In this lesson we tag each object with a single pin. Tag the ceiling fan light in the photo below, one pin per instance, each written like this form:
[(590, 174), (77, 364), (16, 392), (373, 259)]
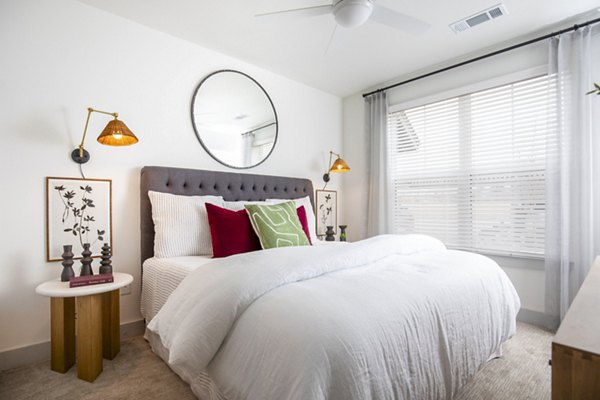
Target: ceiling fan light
[(352, 13)]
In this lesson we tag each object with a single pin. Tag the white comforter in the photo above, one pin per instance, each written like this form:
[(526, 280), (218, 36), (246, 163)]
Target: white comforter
[(391, 317)]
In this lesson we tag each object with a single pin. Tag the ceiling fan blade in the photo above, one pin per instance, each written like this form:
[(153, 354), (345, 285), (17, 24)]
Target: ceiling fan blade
[(299, 12), (396, 20)]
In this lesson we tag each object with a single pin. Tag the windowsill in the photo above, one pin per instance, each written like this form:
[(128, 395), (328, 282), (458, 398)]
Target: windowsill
[(512, 260), (501, 254), (519, 262)]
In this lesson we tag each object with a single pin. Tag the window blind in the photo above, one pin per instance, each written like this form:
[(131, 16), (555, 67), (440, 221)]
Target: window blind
[(470, 170)]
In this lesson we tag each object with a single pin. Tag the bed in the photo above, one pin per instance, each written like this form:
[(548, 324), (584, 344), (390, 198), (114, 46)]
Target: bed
[(162, 276), (390, 317)]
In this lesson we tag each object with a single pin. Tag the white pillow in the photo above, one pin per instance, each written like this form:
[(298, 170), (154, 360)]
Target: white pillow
[(181, 224), (239, 205), (310, 214)]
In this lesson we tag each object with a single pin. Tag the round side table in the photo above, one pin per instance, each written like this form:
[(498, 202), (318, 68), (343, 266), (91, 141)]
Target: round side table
[(95, 311)]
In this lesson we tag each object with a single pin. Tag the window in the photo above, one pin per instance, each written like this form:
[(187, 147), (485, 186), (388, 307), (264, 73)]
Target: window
[(470, 170)]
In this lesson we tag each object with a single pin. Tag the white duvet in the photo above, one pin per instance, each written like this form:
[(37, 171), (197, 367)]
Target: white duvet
[(391, 317)]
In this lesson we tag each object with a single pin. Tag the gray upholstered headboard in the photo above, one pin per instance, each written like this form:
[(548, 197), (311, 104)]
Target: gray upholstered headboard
[(193, 182)]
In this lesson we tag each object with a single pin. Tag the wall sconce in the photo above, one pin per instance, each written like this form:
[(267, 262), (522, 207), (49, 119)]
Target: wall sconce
[(116, 133), (338, 165)]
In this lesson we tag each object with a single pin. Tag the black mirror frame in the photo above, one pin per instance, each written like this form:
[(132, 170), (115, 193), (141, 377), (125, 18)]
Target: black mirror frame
[(196, 128)]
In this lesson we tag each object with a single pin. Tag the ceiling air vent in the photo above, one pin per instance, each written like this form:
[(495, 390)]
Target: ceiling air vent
[(483, 16)]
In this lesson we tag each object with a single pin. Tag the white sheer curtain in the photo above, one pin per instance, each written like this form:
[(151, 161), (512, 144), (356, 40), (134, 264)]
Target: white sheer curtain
[(247, 146), (379, 213), (572, 170)]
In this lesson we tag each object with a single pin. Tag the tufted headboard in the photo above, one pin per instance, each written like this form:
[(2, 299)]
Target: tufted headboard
[(194, 182)]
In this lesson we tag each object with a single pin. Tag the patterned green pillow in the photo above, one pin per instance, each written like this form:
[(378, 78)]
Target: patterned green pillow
[(277, 225)]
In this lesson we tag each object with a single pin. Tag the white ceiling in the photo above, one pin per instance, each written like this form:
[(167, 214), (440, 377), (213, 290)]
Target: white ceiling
[(358, 58)]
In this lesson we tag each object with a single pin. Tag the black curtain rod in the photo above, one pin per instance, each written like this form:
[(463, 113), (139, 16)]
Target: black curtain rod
[(494, 53)]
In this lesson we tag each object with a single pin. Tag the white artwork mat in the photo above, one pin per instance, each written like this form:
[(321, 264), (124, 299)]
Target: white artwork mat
[(78, 211), (326, 210)]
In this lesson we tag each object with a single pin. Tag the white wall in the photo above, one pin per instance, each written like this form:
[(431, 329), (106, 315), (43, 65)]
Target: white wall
[(62, 56), (526, 275)]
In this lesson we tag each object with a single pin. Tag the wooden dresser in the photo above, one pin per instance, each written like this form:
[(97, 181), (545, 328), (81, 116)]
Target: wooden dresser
[(576, 346)]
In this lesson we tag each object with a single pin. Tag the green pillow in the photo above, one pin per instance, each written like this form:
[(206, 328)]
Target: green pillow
[(277, 225)]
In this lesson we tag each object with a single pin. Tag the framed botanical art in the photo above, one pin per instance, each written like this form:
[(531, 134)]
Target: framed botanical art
[(326, 210), (78, 211)]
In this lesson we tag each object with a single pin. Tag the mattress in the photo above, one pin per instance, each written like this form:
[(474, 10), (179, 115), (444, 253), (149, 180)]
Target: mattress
[(161, 276)]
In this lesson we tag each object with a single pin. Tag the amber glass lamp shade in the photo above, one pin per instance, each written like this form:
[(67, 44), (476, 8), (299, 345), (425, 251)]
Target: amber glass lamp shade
[(339, 165), (117, 133)]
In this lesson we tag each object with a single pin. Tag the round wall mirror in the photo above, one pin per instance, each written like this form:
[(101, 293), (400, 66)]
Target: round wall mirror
[(234, 119)]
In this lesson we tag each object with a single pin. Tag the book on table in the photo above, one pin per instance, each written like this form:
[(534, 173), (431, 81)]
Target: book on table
[(90, 280)]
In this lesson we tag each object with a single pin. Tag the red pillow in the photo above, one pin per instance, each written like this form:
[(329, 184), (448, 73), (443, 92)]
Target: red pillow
[(303, 221), (231, 231)]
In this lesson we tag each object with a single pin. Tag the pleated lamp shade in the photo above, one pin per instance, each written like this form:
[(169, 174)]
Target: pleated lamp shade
[(117, 133)]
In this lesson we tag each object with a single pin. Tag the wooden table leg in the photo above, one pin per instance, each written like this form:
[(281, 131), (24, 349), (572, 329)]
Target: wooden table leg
[(111, 335), (62, 333), (89, 337)]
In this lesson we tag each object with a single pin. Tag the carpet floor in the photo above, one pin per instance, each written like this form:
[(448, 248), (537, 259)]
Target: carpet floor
[(136, 374)]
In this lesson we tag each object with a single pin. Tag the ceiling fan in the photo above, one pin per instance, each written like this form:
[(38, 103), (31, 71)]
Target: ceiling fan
[(354, 13)]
